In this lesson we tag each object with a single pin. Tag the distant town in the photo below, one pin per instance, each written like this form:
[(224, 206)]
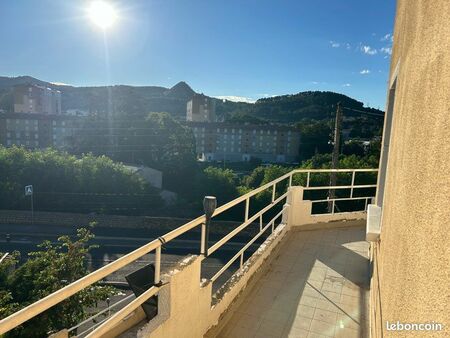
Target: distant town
[(37, 120)]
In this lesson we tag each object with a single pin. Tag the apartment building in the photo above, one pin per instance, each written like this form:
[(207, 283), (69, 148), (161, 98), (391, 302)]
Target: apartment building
[(33, 130), (201, 108), (240, 143), (35, 99)]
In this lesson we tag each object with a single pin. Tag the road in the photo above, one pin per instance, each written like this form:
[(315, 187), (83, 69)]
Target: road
[(115, 242)]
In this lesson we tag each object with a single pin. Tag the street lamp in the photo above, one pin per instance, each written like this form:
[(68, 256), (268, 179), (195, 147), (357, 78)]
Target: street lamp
[(209, 206)]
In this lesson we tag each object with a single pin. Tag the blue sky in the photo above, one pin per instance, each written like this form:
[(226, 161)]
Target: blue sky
[(245, 48)]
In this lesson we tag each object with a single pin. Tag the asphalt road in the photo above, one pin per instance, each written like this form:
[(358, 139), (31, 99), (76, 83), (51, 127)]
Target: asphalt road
[(115, 242)]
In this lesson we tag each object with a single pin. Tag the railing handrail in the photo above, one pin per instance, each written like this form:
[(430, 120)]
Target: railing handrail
[(58, 296)]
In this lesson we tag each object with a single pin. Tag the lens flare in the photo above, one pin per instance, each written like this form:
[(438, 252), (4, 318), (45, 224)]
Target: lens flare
[(102, 14)]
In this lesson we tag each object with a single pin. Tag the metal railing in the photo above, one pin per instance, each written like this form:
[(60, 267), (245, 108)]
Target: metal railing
[(47, 302), (92, 320)]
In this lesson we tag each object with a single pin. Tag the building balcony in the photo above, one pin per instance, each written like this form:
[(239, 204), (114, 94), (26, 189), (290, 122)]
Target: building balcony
[(303, 270)]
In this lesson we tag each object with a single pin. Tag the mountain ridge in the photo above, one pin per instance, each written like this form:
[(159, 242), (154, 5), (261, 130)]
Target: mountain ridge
[(140, 100)]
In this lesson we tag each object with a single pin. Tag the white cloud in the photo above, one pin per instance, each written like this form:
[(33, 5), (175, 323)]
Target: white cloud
[(234, 98), (335, 44), (60, 84), (387, 37), (346, 85), (365, 72), (386, 50), (348, 46), (368, 50)]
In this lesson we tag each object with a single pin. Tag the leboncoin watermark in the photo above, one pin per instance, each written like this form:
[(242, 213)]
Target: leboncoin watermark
[(398, 326)]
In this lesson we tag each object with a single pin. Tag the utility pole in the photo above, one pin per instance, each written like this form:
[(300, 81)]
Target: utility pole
[(335, 155)]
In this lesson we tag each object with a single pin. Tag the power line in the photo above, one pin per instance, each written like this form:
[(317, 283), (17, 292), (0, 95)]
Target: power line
[(363, 112)]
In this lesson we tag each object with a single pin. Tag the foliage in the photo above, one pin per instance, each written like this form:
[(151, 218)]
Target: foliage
[(314, 138), (47, 270), (315, 105), (157, 141), (63, 182)]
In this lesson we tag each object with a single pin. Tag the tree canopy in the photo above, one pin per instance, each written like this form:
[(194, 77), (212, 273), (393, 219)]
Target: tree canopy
[(50, 268), (64, 182)]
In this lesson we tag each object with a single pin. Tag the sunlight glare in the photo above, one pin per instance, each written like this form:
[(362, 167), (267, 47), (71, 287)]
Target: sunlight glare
[(103, 14)]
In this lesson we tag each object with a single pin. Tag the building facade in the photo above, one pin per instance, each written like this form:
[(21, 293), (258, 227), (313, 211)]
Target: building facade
[(240, 143), (36, 130), (201, 108), (410, 257), (35, 99)]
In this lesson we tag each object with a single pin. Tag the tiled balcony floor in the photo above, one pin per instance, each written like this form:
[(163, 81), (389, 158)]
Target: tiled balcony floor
[(317, 286)]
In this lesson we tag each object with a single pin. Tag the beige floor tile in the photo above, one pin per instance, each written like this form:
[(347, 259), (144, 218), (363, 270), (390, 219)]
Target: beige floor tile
[(277, 316), (271, 328), (300, 322), (325, 316), (293, 332), (308, 301), (311, 290), (323, 328), (344, 321), (347, 333), (247, 321), (304, 311), (331, 296), (345, 299), (315, 335), (325, 304)]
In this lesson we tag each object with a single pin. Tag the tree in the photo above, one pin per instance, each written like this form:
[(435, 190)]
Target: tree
[(314, 138), (157, 141), (63, 182), (218, 182), (47, 270)]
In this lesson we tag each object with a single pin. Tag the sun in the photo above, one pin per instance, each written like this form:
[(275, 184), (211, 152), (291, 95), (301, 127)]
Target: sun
[(102, 13)]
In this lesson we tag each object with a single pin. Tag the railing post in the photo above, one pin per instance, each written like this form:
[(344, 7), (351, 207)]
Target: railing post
[(332, 210), (158, 265), (260, 222), (290, 179), (247, 206), (274, 189), (353, 183), (307, 179), (203, 240), (242, 260)]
